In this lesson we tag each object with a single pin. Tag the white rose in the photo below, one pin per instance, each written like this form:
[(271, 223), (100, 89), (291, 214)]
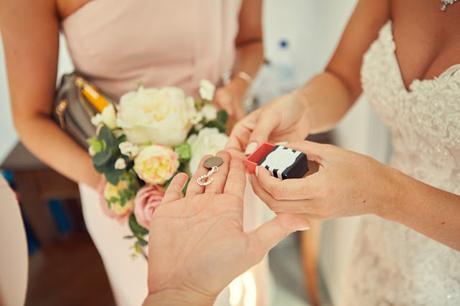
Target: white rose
[(207, 90), (209, 112), (109, 116), (208, 141), (162, 116), (128, 149)]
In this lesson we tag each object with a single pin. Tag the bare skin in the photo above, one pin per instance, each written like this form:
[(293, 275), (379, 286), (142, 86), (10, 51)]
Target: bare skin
[(428, 43), (30, 33)]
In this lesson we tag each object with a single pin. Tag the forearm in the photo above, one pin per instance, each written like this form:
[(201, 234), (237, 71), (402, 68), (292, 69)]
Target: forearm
[(326, 100), (428, 210), (51, 145), (178, 298), (249, 58)]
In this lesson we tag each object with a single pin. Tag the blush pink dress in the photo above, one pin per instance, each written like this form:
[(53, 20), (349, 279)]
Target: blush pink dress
[(122, 44)]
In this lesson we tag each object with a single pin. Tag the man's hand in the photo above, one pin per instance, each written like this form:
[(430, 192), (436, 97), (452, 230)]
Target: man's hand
[(197, 245)]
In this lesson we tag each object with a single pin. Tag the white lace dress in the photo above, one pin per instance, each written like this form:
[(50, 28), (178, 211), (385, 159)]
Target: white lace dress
[(393, 264)]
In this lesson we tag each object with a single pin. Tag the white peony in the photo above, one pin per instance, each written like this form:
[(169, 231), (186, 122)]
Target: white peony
[(208, 141), (161, 116), (207, 90), (109, 116)]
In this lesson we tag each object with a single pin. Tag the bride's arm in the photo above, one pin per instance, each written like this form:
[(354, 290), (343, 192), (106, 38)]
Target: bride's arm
[(30, 33), (321, 103), (430, 211), (329, 95), (349, 184)]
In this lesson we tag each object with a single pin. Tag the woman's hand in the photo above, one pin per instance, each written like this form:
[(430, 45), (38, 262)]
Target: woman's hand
[(346, 184), (231, 98), (197, 245), (283, 119)]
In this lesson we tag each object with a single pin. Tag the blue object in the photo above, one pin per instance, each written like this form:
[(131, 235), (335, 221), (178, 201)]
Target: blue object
[(284, 43), (60, 215)]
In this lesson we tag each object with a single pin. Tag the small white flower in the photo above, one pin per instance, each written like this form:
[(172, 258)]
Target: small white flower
[(207, 90), (96, 120), (91, 151), (209, 112), (196, 118), (129, 149), (120, 164), (109, 116)]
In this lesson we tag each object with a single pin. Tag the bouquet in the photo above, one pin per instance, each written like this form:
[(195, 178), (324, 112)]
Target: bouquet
[(143, 142)]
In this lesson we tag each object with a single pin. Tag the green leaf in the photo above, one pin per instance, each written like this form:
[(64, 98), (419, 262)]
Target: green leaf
[(113, 175), (102, 158), (184, 151), (135, 227), (222, 117)]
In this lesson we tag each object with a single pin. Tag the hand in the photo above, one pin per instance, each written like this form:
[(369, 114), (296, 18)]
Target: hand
[(283, 119), (197, 245), (346, 184), (230, 98)]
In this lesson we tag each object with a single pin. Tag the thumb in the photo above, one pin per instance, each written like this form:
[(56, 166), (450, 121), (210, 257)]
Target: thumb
[(266, 123), (269, 234)]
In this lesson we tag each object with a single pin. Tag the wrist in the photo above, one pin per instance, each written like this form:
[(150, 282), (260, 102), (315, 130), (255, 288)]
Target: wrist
[(179, 297), (301, 100), (238, 86), (391, 200)]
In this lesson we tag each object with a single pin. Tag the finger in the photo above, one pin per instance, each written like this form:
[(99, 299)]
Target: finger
[(193, 187), (267, 121), (174, 191), (219, 178), (236, 180), (315, 151), (224, 100), (292, 207), (239, 137), (239, 110), (271, 233), (291, 189)]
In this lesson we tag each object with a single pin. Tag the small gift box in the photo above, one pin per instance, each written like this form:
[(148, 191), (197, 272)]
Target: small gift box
[(282, 162)]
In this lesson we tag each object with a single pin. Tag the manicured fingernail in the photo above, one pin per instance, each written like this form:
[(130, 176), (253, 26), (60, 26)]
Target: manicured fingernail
[(251, 148), (257, 171), (304, 228)]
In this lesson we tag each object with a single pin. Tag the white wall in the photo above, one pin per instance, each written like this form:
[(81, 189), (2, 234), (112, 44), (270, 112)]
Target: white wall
[(7, 132)]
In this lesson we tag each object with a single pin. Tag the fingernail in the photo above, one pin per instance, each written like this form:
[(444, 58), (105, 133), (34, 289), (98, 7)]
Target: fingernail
[(304, 228), (257, 171), (251, 148)]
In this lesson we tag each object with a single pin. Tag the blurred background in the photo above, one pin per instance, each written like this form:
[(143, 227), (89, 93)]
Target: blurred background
[(65, 268)]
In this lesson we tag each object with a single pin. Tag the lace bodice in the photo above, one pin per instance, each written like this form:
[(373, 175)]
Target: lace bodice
[(392, 264)]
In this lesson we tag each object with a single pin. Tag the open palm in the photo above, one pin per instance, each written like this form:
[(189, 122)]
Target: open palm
[(198, 242)]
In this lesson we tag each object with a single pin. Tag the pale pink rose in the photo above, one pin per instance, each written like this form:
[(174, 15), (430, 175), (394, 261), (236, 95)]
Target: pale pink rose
[(147, 200)]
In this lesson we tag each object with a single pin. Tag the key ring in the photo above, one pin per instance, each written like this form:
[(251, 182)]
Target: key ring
[(206, 179), (212, 164)]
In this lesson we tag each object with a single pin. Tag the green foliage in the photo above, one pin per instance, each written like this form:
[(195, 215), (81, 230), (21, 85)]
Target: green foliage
[(137, 229), (220, 122), (105, 145)]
